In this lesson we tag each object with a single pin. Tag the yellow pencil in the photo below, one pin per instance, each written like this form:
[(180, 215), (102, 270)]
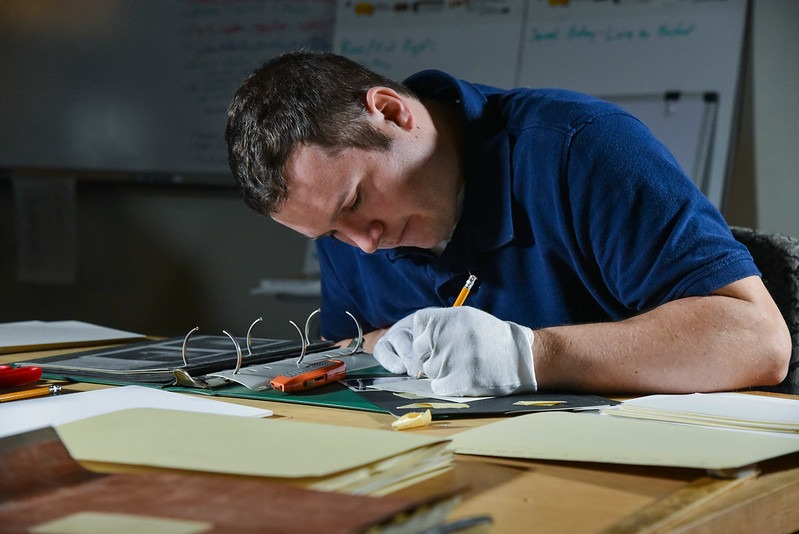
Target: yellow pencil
[(465, 291), (38, 391)]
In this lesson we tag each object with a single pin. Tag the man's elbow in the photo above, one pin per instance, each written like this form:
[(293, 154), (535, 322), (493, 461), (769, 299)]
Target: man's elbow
[(764, 345), (774, 347)]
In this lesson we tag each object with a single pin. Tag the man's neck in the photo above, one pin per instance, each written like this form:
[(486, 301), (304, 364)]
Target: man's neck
[(448, 124)]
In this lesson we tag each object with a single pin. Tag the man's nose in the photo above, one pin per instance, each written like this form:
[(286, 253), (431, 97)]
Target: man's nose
[(367, 236)]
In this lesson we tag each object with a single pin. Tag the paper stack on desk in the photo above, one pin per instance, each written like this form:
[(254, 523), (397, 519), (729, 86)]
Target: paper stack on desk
[(317, 456), (726, 410), (41, 335), (23, 416), (42, 489), (583, 437)]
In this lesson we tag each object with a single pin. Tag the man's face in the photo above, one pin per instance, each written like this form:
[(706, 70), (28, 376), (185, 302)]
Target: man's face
[(372, 199)]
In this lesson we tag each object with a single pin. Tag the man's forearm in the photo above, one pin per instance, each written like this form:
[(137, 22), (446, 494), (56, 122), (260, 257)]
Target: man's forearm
[(733, 339)]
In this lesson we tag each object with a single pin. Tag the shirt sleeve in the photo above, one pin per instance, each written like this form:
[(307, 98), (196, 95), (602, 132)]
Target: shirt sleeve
[(653, 235)]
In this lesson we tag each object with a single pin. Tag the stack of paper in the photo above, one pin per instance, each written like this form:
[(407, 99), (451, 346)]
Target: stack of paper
[(44, 490), (727, 410), (317, 456), (40, 335), (584, 437), (23, 416)]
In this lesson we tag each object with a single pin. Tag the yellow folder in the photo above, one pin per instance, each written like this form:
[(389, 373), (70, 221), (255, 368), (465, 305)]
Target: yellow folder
[(318, 456), (604, 438)]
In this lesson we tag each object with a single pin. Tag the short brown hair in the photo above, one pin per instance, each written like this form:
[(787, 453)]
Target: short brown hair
[(299, 97)]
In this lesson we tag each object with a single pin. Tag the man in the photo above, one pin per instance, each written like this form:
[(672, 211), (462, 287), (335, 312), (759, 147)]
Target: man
[(600, 267)]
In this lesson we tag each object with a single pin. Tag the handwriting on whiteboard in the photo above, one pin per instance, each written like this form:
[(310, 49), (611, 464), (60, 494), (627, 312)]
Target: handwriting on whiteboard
[(608, 32)]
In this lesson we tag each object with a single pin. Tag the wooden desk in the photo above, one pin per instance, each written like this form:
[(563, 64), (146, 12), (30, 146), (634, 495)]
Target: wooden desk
[(572, 497)]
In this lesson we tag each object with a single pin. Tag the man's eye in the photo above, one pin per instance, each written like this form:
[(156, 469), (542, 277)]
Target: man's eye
[(355, 203)]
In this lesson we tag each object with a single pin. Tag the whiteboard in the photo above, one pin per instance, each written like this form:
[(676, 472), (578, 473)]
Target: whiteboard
[(478, 40), (137, 85), (628, 51)]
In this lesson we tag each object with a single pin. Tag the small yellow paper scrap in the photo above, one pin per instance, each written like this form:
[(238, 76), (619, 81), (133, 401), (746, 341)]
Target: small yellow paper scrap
[(412, 420), (539, 403)]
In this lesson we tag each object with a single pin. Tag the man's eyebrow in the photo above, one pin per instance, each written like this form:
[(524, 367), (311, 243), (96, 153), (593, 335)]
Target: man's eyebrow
[(342, 200)]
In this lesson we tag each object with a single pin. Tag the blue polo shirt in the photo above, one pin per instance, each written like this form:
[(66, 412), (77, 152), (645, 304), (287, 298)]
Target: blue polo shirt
[(573, 213)]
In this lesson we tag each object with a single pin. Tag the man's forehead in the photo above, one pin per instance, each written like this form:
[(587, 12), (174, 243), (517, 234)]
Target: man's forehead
[(301, 221), (311, 166), (305, 195), (312, 153), (314, 194), (304, 173)]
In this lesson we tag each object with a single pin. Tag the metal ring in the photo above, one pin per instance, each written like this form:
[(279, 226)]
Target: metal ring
[(185, 343), (238, 352), (308, 323), (359, 341), (249, 335), (302, 341)]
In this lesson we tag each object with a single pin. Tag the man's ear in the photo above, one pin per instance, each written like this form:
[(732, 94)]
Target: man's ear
[(388, 106)]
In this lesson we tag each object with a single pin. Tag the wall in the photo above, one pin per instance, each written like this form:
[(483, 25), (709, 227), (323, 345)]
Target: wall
[(764, 187), (775, 108), (142, 87), (160, 261)]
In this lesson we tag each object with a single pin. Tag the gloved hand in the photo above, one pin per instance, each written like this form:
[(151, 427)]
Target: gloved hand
[(464, 351)]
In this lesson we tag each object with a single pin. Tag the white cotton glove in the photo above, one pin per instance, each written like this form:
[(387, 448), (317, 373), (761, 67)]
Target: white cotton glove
[(464, 351)]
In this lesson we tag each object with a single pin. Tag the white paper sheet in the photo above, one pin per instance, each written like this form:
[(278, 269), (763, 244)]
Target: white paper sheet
[(31, 335), (421, 388), (731, 410), (21, 416)]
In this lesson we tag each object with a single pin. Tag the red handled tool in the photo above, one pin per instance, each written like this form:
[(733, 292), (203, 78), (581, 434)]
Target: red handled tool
[(18, 376)]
